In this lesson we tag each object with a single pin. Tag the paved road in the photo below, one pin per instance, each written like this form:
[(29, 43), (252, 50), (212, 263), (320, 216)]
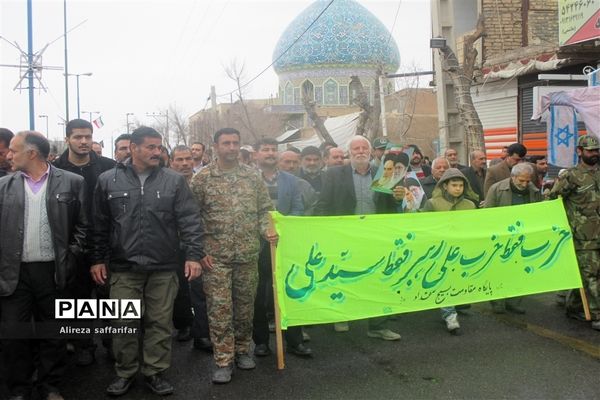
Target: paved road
[(540, 355)]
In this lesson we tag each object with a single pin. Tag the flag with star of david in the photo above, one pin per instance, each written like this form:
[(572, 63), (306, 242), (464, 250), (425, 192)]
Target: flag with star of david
[(562, 136)]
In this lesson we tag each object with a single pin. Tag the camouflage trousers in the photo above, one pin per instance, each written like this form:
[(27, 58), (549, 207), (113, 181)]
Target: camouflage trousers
[(230, 290), (589, 266)]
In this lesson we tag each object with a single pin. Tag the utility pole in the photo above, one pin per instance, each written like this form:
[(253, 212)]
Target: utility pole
[(166, 115), (382, 93), (30, 62), (66, 63), (90, 114), (45, 116), (127, 119)]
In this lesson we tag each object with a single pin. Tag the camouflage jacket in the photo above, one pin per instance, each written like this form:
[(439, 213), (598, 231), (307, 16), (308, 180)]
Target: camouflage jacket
[(580, 190), (234, 208)]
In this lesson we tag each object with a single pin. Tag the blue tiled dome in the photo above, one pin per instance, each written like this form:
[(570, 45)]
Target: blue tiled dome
[(346, 35)]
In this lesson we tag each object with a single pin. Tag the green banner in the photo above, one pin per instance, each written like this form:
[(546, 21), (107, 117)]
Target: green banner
[(332, 269)]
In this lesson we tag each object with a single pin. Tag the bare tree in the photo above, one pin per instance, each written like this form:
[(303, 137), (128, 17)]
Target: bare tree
[(235, 72), (375, 115), (311, 109), (462, 78), (362, 101)]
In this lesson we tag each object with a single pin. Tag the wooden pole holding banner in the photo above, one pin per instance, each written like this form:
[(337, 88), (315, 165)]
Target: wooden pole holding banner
[(278, 334), (586, 306)]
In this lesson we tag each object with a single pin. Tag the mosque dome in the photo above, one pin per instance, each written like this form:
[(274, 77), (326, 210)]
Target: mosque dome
[(347, 35)]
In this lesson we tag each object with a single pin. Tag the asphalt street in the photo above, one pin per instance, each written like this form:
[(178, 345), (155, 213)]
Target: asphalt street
[(541, 355)]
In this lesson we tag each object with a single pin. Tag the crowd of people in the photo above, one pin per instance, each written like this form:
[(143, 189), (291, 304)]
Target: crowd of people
[(188, 234)]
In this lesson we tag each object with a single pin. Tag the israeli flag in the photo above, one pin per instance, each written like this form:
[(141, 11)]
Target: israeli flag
[(562, 136)]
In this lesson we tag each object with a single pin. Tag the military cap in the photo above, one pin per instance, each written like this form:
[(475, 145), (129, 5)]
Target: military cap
[(380, 143), (588, 142)]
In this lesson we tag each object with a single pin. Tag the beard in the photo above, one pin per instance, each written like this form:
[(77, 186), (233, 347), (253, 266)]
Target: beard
[(592, 160)]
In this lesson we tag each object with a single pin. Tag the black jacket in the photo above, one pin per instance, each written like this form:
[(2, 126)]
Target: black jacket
[(471, 176), (141, 228), (428, 185), (337, 195), (66, 207), (90, 172)]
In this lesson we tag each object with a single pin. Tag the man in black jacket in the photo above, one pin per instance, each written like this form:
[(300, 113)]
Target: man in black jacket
[(438, 167), (5, 138), (43, 226), (347, 190), (475, 174), (81, 160), (143, 215)]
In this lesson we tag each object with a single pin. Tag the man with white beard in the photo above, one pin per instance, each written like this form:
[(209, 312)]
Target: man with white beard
[(346, 190)]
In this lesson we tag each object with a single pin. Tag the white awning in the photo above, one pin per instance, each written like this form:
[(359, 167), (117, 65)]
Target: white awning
[(340, 128), (286, 135)]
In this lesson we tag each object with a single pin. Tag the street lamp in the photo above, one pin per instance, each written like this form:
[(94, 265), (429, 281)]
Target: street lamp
[(77, 76), (45, 116), (127, 118)]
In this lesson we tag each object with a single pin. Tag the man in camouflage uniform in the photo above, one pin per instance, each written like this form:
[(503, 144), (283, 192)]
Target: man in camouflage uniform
[(580, 189), (234, 204)]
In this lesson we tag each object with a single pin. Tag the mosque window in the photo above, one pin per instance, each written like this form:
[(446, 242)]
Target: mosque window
[(369, 94), (319, 94), (308, 89), (331, 92), (289, 94), (297, 98), (354, 89), (344, 95), (390, 88)]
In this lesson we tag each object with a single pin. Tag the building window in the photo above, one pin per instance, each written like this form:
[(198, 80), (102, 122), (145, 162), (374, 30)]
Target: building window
[(344, 95), (308, 90), (297, 98), (289, 94), (331, 92), (319, 94)]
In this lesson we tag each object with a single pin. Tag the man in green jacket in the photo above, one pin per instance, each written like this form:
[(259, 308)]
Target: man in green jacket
[(516, 190)]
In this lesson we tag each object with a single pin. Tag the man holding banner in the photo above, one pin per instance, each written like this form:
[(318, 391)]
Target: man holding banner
[(346, 190), (513, 191), (580, 189)]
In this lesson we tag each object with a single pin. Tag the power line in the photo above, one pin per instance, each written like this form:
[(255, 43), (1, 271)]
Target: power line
[(281, 55)]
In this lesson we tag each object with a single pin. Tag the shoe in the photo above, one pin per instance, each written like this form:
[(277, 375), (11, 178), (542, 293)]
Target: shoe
[(54, 396), (452, 323), (222, 374), (119, 386), (85, 356), (183, 335), (262, 350), (301, 350), (498, 308), (305, 336), (596, 325), (159, 385), (203, 344), (579, 316), (244, 361), (19, 397), (341, 327), (384, 334), (515, 309)]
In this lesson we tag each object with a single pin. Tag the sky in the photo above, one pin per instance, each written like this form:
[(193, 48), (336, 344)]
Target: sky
[(145, 56)]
